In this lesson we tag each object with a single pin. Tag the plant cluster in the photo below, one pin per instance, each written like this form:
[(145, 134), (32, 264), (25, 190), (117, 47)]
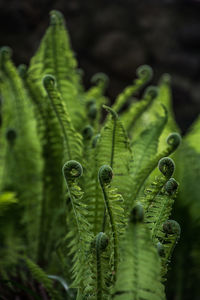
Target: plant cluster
[(85, 203)]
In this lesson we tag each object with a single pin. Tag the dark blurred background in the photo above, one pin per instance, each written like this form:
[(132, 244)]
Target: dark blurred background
[(116, 36)]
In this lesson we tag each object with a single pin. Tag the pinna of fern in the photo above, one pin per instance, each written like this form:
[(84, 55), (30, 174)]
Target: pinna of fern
[(106, 210)]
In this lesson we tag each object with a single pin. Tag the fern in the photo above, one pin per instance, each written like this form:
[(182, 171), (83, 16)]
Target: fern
[(79, 234), (76, 228), (115, 211)]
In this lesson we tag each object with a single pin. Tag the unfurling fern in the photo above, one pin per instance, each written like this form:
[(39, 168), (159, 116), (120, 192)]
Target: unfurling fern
[(101, 221)]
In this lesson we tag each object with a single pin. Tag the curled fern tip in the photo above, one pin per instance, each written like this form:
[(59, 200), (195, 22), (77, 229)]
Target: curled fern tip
[(72, 169), (171, 227), (49, 80), (105, 174), (5, 52), (174, 140), (166, 166), (171, 186), (145, 72)]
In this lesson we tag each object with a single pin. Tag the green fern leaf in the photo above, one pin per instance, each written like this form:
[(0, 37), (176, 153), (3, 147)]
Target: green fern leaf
[(115, 212), (55, 57), (113, 149), (73, 142), (139, 270), (80, 233)]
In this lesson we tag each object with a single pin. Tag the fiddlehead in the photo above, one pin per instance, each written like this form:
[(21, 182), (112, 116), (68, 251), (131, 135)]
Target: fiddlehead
[(166, 166), (100, 79), (105, 175), (171, 186), (49, 81), (72, 170), (172, 227), (145, 73), (173, 140)]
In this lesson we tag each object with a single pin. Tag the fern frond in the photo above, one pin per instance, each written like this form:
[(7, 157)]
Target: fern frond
[(72, 139), (139, 270), (39, 275), (113, 149), (171, 234), (159, 210), (100, 267), (166, 166), (22, 152), (173, 142), (55, 57), (135, 110), (115, 211), (80, 234)]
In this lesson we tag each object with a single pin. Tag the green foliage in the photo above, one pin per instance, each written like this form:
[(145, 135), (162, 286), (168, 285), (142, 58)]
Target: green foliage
[(82, 199)]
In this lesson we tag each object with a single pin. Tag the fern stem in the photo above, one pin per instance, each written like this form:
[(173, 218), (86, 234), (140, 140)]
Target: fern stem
[(100, 245), (114, 116), (105, 176), (49, 84)]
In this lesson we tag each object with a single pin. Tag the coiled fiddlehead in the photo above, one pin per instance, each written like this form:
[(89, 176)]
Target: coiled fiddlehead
[(151, 91), (49, 81), (172, 227), (72, 170), (174, 140), (105, 175), (171, 186), (166, 166), (100, 79), (145, 73)]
